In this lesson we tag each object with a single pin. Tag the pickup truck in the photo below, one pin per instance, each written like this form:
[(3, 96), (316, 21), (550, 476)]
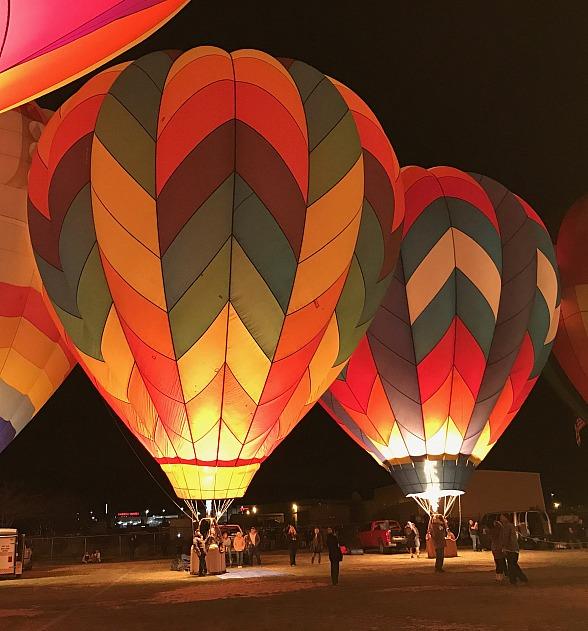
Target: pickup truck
[(384, 535)]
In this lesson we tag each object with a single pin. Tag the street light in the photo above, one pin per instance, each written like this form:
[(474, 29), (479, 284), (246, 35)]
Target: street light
[(254, 509), (556, 505)]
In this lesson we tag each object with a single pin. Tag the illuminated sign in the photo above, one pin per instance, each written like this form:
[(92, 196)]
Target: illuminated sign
[(137, 514)]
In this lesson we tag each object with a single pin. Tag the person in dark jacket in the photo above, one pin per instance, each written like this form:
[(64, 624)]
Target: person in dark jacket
[(132, 546), (497, 552), (335, 555), (316, 544), (438, 533), (200, 549), (292, 539), (510, 547)]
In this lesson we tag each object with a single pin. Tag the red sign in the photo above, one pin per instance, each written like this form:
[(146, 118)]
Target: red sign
[(128, 514)]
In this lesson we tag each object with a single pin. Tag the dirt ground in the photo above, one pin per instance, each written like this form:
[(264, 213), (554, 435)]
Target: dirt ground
[(376, 592)]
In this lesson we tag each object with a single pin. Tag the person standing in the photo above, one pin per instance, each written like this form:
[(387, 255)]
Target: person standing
[(497, 552), (474, 530), (292, 539), (253, 546), (132, 546), (438, 533), (335, 555), (239, 546), (227, 549), (199, 546), (316, 544), (510, 547), (413, 543)]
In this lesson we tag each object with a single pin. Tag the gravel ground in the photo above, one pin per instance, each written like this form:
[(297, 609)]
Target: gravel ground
[(375, 592)]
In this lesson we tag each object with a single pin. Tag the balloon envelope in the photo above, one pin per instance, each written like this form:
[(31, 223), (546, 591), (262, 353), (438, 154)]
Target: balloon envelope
[(45, 44), (571, 343), (199, 221), (34, 359), (461, 336)]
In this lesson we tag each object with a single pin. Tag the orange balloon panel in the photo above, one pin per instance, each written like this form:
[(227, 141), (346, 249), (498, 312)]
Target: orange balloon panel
[(45, 44), (215, 232), (34, 360)]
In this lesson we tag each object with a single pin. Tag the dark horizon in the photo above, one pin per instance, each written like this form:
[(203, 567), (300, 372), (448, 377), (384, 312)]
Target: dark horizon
[(488, 91)]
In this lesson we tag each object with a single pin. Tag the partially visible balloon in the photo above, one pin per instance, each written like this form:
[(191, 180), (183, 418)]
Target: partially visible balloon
[(460, 338), (45, 44), (34, 360), (212, 247), (571, 343)]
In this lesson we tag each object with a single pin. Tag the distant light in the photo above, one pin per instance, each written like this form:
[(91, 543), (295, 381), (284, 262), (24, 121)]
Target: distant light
[(147, 511), (248, 511), (254, 509), (556, 505), (179, 535), (106, 508), (163, 510), (294, 508)]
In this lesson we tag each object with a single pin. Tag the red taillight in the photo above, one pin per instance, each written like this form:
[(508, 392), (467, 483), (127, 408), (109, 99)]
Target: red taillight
[(388, 537)]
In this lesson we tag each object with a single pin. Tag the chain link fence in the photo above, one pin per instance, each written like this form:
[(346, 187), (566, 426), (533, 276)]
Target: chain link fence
[(112, 547)]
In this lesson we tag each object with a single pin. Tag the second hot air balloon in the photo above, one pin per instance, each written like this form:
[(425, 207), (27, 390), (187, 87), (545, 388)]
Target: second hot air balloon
[(460, 338), (570, 365), (195, 218), (34, 359)]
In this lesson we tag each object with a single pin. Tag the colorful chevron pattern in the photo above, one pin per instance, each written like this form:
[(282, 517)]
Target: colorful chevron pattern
[(199, 221), (45, 44), (34, 359), (571, 343), (463, 331)]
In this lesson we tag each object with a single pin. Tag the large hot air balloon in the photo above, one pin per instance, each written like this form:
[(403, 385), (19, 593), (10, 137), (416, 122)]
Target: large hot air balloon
[(34, 360), (45, 44), (460, 338), (571, 343), (200, 222)]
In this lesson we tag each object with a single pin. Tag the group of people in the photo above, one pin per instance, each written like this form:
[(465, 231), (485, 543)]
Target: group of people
[(318, 544), (504, 546), (92, 557), (234, 549), (239, 546), (505, 550)]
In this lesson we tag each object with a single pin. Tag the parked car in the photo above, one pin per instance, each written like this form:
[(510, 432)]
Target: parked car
[(385, 535), (533, 528)]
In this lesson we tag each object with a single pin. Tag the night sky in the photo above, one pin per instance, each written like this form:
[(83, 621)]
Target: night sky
[(502, 92)]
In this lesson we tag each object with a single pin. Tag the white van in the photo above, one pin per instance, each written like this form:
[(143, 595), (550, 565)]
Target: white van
[(11, 553), (533, 527)]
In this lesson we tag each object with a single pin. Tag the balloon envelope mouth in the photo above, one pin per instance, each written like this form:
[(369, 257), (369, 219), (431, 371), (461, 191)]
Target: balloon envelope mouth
[(430, 494), (429, 479), (430, 499)]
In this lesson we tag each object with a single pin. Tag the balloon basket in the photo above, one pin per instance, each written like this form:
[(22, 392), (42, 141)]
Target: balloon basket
[(450, 548)]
